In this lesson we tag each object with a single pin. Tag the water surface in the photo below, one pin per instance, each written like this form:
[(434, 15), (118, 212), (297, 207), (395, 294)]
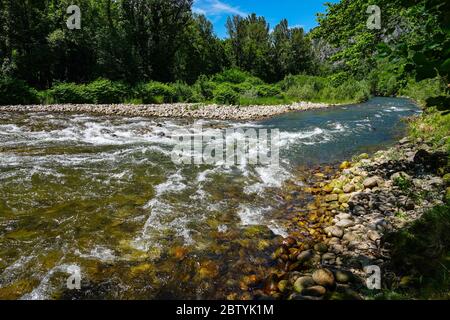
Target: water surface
[(101, 194)]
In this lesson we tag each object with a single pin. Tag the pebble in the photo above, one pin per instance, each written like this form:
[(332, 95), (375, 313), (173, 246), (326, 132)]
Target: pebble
[(334, 231), (303, 283), (373, 182), (316, 291), (345, 223), (175, 110), (323, 277), (305, 256)]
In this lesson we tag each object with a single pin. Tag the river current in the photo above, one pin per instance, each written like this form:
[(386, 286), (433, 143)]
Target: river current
[(100, 198)]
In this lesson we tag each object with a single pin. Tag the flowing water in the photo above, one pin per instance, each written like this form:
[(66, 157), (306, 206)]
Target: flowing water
[(101, 195)]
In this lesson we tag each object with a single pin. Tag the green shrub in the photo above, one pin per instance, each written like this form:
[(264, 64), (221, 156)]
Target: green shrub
[(69, 93), (17, 92), (338, 79), (183, 92), (236, 76), (425, 89), (104, 91), (302, 92), (155, 92), (290, 81), (225, 94), (268, 91), (422, 252), (204, 88)]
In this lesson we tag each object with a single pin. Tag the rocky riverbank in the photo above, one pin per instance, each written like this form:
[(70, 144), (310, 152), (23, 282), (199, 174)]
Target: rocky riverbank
[(343, 230), (177, 110)]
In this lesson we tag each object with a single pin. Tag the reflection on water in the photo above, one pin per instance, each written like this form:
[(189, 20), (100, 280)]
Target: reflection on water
[(102, 194)]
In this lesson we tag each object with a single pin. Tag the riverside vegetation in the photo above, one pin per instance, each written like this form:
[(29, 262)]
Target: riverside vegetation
[(389, 209)]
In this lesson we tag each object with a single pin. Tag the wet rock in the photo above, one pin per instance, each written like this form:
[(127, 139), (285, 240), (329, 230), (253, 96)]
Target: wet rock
[(283, 285), (271, 284), (209, 269), (315, 291), (345, 165), (324, 277), (331, 197), (305, 256), (303, 283), (298, 296), (344, 198), (289, 242)]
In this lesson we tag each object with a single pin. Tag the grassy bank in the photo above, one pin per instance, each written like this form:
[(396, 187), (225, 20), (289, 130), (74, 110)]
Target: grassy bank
[(420, 253), (230, 87)]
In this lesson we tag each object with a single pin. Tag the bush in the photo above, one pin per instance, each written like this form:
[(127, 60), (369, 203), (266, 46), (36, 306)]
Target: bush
[(236, 76), (290, 81), (104, 91), (185, 93), (305, 92), (204, 88), (69, 93), (268, 91), (422, 252), (17, 92), (155, 92), (225, 94), (338, 79), (425, 89)]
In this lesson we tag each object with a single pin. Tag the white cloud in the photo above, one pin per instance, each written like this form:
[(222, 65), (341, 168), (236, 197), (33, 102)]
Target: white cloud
[(216, 8), (297, 26)]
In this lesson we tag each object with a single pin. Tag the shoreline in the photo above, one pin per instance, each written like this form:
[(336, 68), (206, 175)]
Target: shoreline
[(352, 212), (174, 110)]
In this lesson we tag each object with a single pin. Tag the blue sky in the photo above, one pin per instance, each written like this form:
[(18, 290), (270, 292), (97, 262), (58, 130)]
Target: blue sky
[(298, 12)]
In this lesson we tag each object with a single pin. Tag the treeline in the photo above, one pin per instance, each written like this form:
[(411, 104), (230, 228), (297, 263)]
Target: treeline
[(159, 50), (140, 40), (413, 43)]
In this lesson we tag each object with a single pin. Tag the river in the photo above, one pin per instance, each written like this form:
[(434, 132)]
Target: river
[(100, 197)]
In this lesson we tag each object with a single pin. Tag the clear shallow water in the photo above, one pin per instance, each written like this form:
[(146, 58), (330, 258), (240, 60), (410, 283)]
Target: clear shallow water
[(102, 194)]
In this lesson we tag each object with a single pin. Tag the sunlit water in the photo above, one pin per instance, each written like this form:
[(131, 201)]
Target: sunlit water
[(102, 194)]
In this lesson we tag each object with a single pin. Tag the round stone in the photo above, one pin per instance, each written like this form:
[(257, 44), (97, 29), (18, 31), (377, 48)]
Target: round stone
[(324, 277)]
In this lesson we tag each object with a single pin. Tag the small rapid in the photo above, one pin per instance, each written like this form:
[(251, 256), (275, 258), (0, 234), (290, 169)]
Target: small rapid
[(102, 194)]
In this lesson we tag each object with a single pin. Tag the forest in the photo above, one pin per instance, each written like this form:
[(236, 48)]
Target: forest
[(153, 51)]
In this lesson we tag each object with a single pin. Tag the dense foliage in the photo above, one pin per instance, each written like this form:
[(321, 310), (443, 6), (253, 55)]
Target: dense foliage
[(155, 51), (414, 41), (138, 41)]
